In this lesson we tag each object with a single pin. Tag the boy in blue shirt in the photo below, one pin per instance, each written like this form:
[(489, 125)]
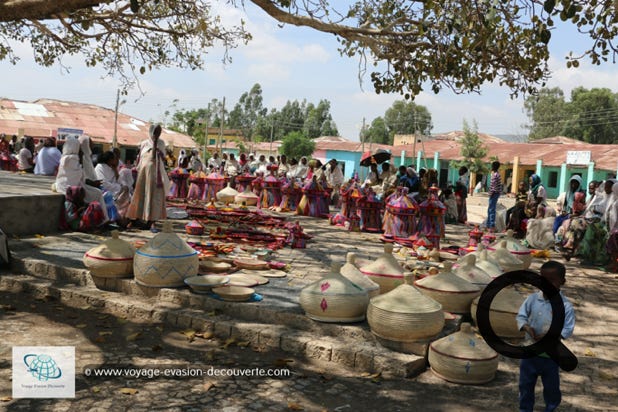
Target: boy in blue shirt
[(534, 317)]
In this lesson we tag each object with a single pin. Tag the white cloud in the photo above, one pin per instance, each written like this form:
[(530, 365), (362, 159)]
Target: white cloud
[(586, 75), (269, 72)]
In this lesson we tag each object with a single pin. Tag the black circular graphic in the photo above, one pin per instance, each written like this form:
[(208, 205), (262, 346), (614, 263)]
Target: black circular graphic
[(550, 343)]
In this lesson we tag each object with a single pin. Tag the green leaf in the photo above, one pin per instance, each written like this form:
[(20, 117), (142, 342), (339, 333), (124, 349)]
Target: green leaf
[(142, 70), (549, 5)]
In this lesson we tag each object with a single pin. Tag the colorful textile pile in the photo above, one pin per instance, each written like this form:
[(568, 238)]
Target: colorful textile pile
[(400, 215), (432, 217)]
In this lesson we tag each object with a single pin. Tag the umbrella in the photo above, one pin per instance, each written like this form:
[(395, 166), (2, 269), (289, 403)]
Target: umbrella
[(380, 156)]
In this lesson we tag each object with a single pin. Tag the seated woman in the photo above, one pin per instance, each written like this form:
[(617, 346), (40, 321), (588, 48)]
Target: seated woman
[(80, 215), (572, 230), (107, 172), (537, 196), (70, 173), (592, 246), (516, 215), (565, 201), (611, 218)]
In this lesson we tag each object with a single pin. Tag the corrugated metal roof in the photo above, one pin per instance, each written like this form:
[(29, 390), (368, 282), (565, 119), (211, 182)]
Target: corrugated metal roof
[(43, 117), (605, 156)]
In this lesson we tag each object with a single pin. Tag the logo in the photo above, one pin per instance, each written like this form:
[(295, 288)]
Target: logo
[(43, 367), (549, 344), (43, 372)]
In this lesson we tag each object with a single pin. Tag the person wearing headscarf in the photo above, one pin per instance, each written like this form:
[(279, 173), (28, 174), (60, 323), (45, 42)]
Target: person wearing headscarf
[(570, 234), (47, 159), (537, 195), (86, 147), (565, 201), (611, 219), (214, 163), (71, 173), (80, 215), (592, 247), (181, 157), (301, 169), (148, 202), (195, 160)]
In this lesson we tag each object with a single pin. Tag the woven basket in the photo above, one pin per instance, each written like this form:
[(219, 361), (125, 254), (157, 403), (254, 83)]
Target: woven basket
[(452, 292), (472, 273), (516, 249), (350, 271), (251, 264), (385, 270), (491, 268), (405, 315), (227, 194), (247, 196), (502, 313), (463, 357), (165, 261), (194, 228), (334, 299), (507, 261), (111, 259)]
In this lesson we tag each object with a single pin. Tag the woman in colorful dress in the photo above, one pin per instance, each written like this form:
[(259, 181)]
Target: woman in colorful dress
[(565, 201), (80, 215)]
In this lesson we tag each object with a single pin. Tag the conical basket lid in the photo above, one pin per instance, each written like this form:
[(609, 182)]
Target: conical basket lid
[(166, 244), (488, 265), (386, 264), (114, 248), (446, 281), (247, 194), (227, 192), (512, 244), (351, 272), (464, 344), (334, 284), (405, 299), (472, 273), (507, 300), (505, 259)]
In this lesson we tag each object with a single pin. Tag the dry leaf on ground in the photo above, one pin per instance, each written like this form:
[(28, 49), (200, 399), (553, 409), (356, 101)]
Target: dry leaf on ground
[(208, 386), (128, 391), (95, 389), (6, 399), (134, 336), (283, 362), (589, 352), (295, 406), (205, 335), (81, 326), (228, 342)]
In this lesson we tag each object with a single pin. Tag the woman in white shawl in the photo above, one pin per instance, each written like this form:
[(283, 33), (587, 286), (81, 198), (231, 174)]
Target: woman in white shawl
[(592, 247), (611, 217), (71, 173), (86, 145), (148, 202)]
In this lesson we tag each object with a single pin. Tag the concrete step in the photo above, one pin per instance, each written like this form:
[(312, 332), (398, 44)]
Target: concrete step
[(352, 346)]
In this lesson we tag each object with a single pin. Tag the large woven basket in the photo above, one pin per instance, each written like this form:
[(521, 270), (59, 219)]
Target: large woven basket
[(247, 196), (385, 270), (227, 194), (502, 313), (452, 292), (111, 259), (165, 261), (463, 357), (405, 315), (350, 271), (334, 299), (515, 247), (491, 268)]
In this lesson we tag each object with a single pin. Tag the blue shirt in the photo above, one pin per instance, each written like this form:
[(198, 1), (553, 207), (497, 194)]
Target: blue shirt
[(536, 312)]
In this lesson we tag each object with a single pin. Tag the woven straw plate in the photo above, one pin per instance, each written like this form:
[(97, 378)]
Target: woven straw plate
[(234, 293), (250, 275), (203, 284)]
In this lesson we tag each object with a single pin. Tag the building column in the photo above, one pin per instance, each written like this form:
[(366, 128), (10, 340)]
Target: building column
[(562, 180), (590, 176), (515, 175), (418, 160), (539, 166), (403, 158), (436, 165)]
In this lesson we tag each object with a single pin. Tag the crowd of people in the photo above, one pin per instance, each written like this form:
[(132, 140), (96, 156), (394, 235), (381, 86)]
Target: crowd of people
[(579, 224)]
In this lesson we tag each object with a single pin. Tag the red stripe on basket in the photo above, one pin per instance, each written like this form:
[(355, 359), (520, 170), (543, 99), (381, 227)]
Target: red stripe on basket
[(110, 259), (382, 275)]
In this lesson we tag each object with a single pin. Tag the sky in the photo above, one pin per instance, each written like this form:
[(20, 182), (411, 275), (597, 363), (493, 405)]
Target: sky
[(291, 63)]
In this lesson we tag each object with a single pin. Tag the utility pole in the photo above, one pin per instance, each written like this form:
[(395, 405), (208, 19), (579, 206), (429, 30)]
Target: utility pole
[(362, 139), (206, 132), (272, 126), (115, 139), (221, 129)]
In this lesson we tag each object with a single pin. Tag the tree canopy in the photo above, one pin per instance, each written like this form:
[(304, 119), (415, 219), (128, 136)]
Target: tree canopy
[(401, 118), (473, 150), (454, 44), (590, 115), (296, 145)]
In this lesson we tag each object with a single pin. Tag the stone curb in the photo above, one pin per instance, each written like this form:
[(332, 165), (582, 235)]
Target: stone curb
[(363, 356)]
